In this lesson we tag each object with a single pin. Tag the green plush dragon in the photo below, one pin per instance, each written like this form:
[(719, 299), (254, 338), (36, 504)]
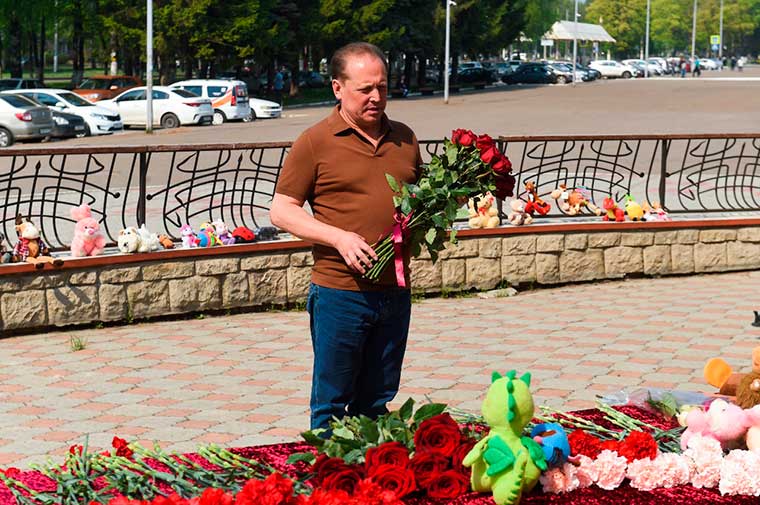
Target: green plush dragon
[(504, 462)]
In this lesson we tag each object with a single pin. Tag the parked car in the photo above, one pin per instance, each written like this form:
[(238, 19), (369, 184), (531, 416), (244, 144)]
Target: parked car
[(581, 72), (22, 119), (105, 87), (501, 68), (469, 64), (98, 120), (663, 63), (263, 109), (708, 64), (229, 98), (562, 69), (612, 68), (66, 125), (171, 107), (641, 65), (475, 75), (15, 83), (534, 73)]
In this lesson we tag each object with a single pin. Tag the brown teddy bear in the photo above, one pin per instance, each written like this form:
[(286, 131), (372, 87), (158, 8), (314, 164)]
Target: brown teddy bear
[(746, 387), (482, 212)]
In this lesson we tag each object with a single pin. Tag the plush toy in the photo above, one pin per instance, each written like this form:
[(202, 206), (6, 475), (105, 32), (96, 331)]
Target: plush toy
[(266, 233), (87, 241), (572, 202), (129, 240), (243, 235), (189, 239), (660, 214), (725, 422), (5, 254), (752, 438), (633, 209), (612, 211), (148, 241), (223, 233), (553, 440), (206, 236), (482, 212), (30, 248), (746, 387), (166, 242), (504, 462), (519, 216), (535, 204)]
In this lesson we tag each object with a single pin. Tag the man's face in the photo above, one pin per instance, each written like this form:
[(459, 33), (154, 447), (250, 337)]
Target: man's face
[(364, 92)]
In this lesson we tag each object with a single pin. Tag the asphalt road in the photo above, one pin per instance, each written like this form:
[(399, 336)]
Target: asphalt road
[(718, 102)]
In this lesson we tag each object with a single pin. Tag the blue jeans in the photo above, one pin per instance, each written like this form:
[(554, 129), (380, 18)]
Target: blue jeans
[(359, 339)]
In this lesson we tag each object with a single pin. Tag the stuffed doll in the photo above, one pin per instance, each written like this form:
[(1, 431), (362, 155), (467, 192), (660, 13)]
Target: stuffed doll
[(634, 210), (189, 239), (166, 242), (243, 235), (553, 440), (223, 233), (725, 422), (504, 462), (746, 387), (535, 204), (206, 236), (611, 211), (572, 201), (5, 254), (518, 216), (148, 241), (482, 212), (266, 233), (88, 240), (30, 248), (128, 240)]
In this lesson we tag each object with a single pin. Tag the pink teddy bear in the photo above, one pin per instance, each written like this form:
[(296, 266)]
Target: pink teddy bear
[(88, 241), (725, 422)]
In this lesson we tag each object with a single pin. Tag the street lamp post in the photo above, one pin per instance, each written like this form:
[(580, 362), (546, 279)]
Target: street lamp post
[(449, 3), (646, 44), (149, 71), (694, 33), (575, 40), (720, 42)]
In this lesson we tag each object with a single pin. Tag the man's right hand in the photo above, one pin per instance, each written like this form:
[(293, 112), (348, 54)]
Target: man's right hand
[(356, 252)]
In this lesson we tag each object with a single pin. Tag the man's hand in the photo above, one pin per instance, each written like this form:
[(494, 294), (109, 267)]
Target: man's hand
[(355, 250)]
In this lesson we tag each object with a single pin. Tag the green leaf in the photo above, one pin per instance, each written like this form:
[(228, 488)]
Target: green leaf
[(427, 411), (313, 438), (405, 412), (453, 236), (306, 457), (452, 152), (396, 201), (344, 433), (463, 213), (406, 208), (392, 182), (368, 429), (430, 235)]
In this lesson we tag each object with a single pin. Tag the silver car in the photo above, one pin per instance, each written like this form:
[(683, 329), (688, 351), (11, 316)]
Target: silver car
[(22, 119)]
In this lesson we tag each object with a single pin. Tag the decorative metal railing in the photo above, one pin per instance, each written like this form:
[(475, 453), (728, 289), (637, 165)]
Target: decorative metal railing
[(167, 186)]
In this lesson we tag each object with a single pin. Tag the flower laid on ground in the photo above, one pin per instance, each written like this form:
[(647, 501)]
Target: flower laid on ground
[(425, 212)]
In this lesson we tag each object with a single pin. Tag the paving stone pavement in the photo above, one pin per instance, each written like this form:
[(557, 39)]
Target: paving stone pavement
[(244, 379)]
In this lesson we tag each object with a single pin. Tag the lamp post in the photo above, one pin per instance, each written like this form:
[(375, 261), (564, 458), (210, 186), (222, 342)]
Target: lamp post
[(149, 71), (575, 40), (646, 44), (694, 33), (720, 42), (449, 3)]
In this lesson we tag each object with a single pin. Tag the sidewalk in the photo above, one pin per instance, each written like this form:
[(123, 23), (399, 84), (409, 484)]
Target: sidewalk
[(244, 379)]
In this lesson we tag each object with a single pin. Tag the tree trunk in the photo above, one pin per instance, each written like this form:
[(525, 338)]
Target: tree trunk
[(78, 44), (408, 68), (32, 51), (41, 67), (454, 67), (294, 79), (14, 48)]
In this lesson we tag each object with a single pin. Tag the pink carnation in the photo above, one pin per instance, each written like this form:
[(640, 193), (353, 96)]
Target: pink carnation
[(644, 474), (586, 472), (611, 469), (739, 475), (667, 470), (707, 456), (558, 480)]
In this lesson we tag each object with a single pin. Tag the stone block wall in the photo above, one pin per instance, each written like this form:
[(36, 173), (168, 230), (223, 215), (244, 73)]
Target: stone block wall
[(156, 286)]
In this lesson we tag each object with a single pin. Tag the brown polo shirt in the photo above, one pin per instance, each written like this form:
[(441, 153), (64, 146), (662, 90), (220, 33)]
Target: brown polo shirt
[(342, 176)]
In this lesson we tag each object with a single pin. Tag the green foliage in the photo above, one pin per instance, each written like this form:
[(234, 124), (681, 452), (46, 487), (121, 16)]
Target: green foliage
[(77, 343), (352, 436)]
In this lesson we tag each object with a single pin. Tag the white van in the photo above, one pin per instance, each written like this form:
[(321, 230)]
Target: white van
[(228, 97)]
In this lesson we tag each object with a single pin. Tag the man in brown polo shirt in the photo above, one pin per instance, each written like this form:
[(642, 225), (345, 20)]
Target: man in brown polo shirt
[(358, 329)]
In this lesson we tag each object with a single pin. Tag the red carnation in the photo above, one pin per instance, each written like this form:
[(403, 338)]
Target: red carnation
[(638, 445), (345, 479), (585, 444), (458, 456), (122, 447), (438, 434), (484, 142), (448, 485), (275, 490), (505, 186), (213, 496), (463, 137), (390, 453), (427, 465), (395, 478), (489, 154)]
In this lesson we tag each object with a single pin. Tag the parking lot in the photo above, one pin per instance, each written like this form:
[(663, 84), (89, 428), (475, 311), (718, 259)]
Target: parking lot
[(717, 102)]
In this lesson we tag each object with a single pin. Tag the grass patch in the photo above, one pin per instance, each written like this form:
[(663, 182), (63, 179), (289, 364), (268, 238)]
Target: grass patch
[(77, 343)]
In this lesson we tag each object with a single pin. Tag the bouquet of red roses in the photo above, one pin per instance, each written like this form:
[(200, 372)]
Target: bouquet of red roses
[(425, 212)]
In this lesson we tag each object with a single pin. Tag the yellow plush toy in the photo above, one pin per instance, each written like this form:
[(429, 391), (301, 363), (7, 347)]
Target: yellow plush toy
[(482, 212)]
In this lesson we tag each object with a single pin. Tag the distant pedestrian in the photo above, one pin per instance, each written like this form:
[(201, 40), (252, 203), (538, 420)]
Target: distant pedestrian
[(733, 63), (697, 71), (740, 63), (683, 68), (279, 85)]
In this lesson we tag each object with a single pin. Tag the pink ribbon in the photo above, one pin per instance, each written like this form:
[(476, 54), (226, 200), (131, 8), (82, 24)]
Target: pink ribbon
[(400, 231)]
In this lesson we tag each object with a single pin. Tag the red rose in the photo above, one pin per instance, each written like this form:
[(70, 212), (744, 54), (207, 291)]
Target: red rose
[(638, 445), (458, 456), (483, 142), (463, 137), (325, 465), (427, 465), (489, 154), (438, 434), (583, 443), (345, 479), (395, 478), (505, 186), (389, 453), (502, 165), (448, 485)]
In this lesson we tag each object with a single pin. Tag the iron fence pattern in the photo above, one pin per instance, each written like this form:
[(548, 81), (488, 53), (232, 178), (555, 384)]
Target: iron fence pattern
[(168, 186)]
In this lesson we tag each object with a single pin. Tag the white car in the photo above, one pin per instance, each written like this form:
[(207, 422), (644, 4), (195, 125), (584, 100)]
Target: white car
[(261, 109), (708, 64), (171, 107), (97, 120), (229, 98), (612, 68), (652, 68), (663, 63)]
